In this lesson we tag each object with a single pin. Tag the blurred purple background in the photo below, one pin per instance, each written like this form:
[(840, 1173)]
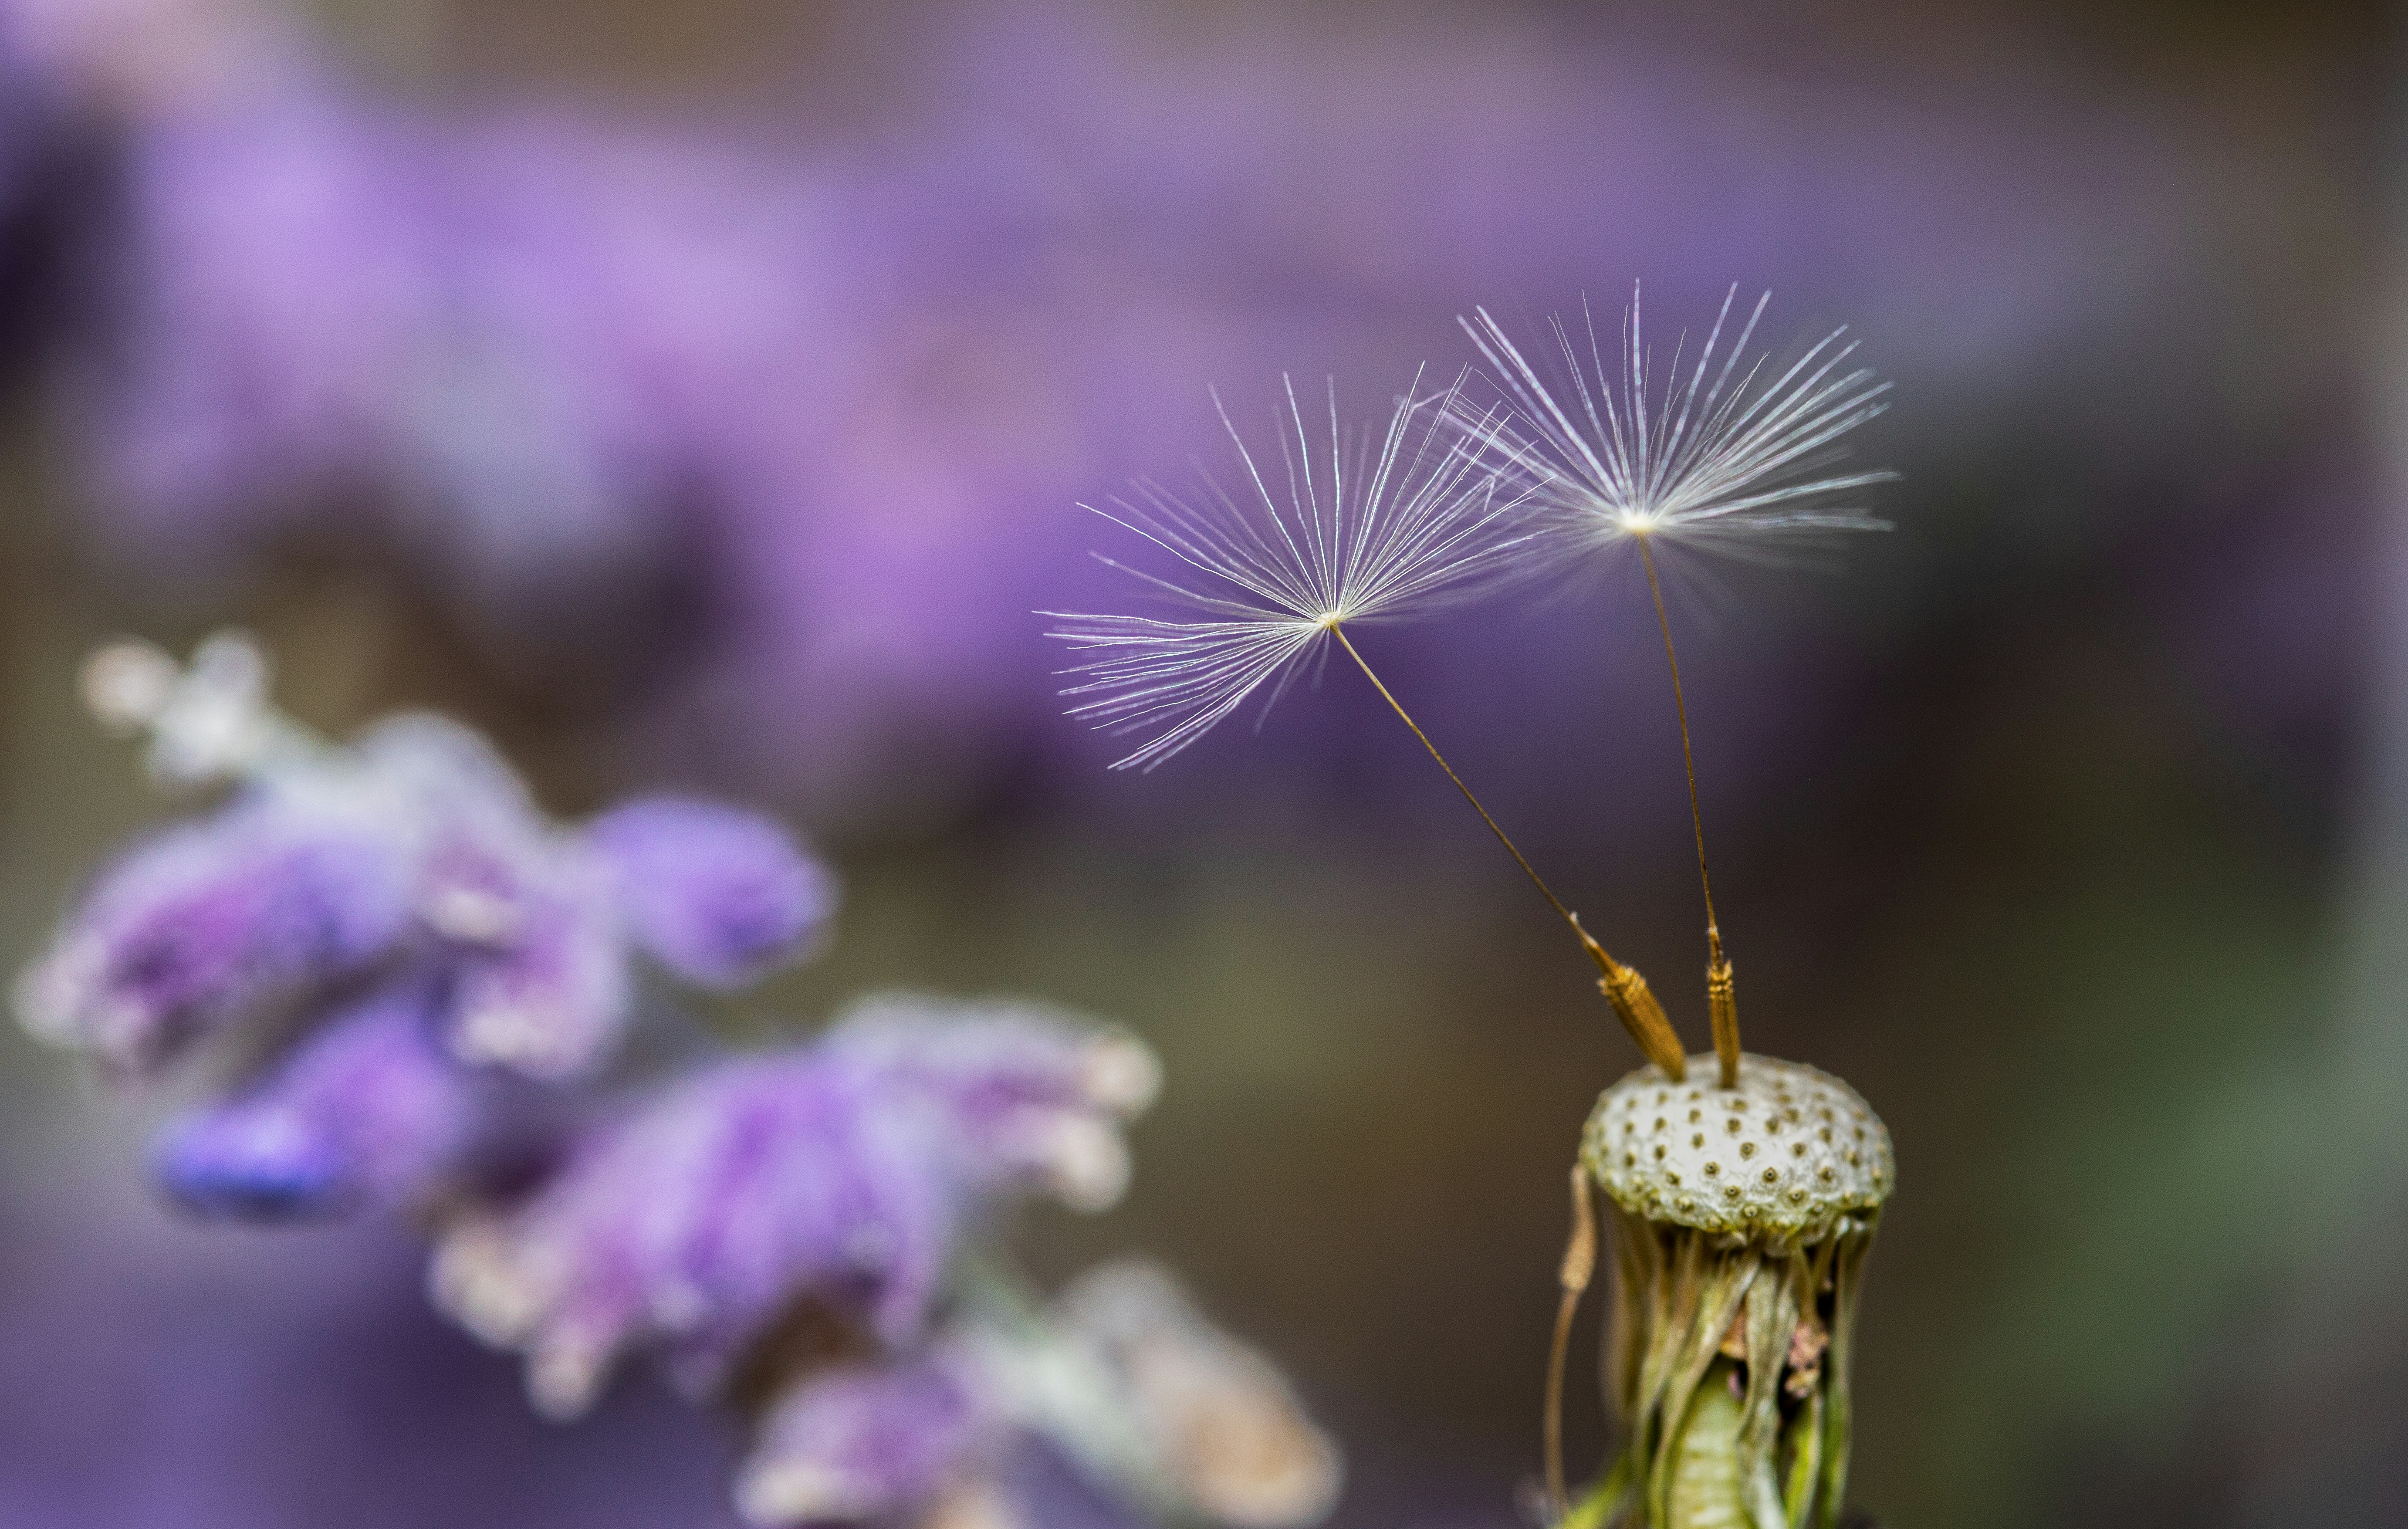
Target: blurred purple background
[(699, 397)]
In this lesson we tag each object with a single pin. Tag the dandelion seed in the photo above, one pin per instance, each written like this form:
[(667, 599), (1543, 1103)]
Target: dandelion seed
[(1730, 460), (1337, 530), (1359, 536), (1725, 456)]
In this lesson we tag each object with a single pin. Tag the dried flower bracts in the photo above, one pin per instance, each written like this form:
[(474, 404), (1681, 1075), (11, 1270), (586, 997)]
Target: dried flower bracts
[(1741, 1218)]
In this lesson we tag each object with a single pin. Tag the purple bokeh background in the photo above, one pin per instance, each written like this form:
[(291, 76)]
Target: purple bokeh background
[(774, 439)]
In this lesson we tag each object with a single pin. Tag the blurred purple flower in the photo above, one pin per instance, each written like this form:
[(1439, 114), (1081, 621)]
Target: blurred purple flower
[(696, 1223), (1027, 1092), (537, 922), (419, 847), (531, 935), (521, 916), (212, 921), (1123, 1393), (865, 1442), (845, 1171), (1226, 1431), (713, 893), (363, 1112)]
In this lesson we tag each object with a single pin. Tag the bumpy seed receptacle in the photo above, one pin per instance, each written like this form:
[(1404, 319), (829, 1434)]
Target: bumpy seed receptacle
[(1741, 1218)]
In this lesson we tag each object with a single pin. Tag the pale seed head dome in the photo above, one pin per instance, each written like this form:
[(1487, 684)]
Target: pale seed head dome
[(1785, 1155)]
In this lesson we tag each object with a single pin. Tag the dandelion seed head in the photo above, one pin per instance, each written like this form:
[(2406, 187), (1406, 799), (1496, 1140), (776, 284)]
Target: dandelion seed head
[(1336, 529), (1719, 449)]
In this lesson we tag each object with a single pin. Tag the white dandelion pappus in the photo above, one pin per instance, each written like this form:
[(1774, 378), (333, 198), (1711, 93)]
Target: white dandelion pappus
[(1359, 533), (1731, 461)]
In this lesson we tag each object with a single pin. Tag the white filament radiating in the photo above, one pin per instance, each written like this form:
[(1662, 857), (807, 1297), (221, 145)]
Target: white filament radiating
[(1728, 462), (1340, 533)]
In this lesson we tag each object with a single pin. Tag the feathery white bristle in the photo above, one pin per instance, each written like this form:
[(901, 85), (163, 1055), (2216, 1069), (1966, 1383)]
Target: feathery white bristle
[(1357, 535), (1719, 458)]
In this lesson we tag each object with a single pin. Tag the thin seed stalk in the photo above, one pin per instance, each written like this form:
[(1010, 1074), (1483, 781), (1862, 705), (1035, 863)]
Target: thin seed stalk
[(1624, 990), (1722, 1002)]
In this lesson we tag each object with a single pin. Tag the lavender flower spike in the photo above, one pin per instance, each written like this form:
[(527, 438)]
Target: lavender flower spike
[(363, 1112), (715, 894), (865, 1442)]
